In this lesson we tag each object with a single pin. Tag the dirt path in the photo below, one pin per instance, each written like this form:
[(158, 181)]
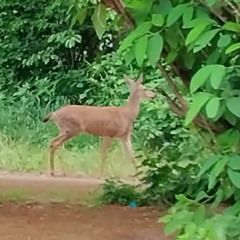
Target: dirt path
[(61, 222), (69, 222)]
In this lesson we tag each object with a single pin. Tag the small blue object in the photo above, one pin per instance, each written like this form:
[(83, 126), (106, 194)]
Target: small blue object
[(132, 204)]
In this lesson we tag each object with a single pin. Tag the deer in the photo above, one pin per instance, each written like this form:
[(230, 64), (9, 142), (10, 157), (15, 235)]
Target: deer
[(108, 122)]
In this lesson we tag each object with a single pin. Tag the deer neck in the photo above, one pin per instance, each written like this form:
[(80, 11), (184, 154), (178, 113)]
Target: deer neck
[(133, 106)]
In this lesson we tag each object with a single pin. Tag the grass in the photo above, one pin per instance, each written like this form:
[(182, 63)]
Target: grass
[(22, 156)]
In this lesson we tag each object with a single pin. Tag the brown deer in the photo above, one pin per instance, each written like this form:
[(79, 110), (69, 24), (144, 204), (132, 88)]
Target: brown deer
[(108, 122)]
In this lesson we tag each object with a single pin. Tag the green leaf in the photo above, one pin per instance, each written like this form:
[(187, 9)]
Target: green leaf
[(157, 20), (199, 100), (136, 4), (234, 177), (172, 55), (130, 55), (164, 7), (234, 162), (212, 107), (199, 215), (218, 199), (232, 105), (176, 13), (201, 195), (195, 33), (180, 218), (140, 49), (99, 19), (200, 77), (188, 15), (154, 49), (188, 59), (216, 171), (195, 22), (141, 30), (80, 16), (223, 41), (204, 40), (208, 164), (217, 75), (232, 26), (229, 138), (232, 48)]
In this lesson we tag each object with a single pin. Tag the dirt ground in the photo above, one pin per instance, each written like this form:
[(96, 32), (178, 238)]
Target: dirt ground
[(62, 221)]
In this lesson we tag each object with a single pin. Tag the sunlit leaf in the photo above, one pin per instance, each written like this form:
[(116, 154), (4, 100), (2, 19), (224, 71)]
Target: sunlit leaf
[(208, 164), (232, 48), (204, 40), (212, 107), (232, 105), (176, 13), (154, 49), (234, 162), (199, 100), (216, 171), (234, 177), (140, 49), (99, 19), (157, 20), (195, 33), (232, 26)]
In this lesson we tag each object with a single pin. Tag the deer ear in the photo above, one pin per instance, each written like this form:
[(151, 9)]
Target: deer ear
[(140, 78), (128, 80)]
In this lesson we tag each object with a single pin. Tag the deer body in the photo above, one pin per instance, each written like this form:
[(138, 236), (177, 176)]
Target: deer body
[(108, 122)]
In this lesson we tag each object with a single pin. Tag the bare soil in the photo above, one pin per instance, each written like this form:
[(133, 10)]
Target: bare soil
[(62, 221)]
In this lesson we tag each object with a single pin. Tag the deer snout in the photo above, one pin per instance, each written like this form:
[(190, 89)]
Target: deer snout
[(150, 94)]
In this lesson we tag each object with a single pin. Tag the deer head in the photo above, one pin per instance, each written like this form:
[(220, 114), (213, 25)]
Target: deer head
[(138, 89)]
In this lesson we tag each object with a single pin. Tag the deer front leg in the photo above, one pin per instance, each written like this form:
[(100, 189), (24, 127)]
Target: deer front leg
[(105, 147)]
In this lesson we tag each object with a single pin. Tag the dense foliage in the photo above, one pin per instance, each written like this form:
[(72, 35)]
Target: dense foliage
[(53, 52)]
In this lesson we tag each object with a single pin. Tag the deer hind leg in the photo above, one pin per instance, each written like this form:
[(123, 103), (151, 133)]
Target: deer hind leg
[(105, 147), (127, 144), (54, 145)]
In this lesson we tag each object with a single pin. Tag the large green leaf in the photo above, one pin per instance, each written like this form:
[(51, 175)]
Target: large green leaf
[(140, 49), (234, 177), (216, 171), (172, 55), (234, 162), (80, 16), (157, 20), (176, 13), (188, 15), (232, 105), (195, 33), (199, 20), (229, 138), (130, 55), (199, 100), (212, 107), (232, 48), (208, 164), (217, 75), (141, 30), (204, 40), (232, 26), (99, 19), (154, 49)]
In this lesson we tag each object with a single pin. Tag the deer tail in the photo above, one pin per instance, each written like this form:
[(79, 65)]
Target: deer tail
[(47, 118)]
